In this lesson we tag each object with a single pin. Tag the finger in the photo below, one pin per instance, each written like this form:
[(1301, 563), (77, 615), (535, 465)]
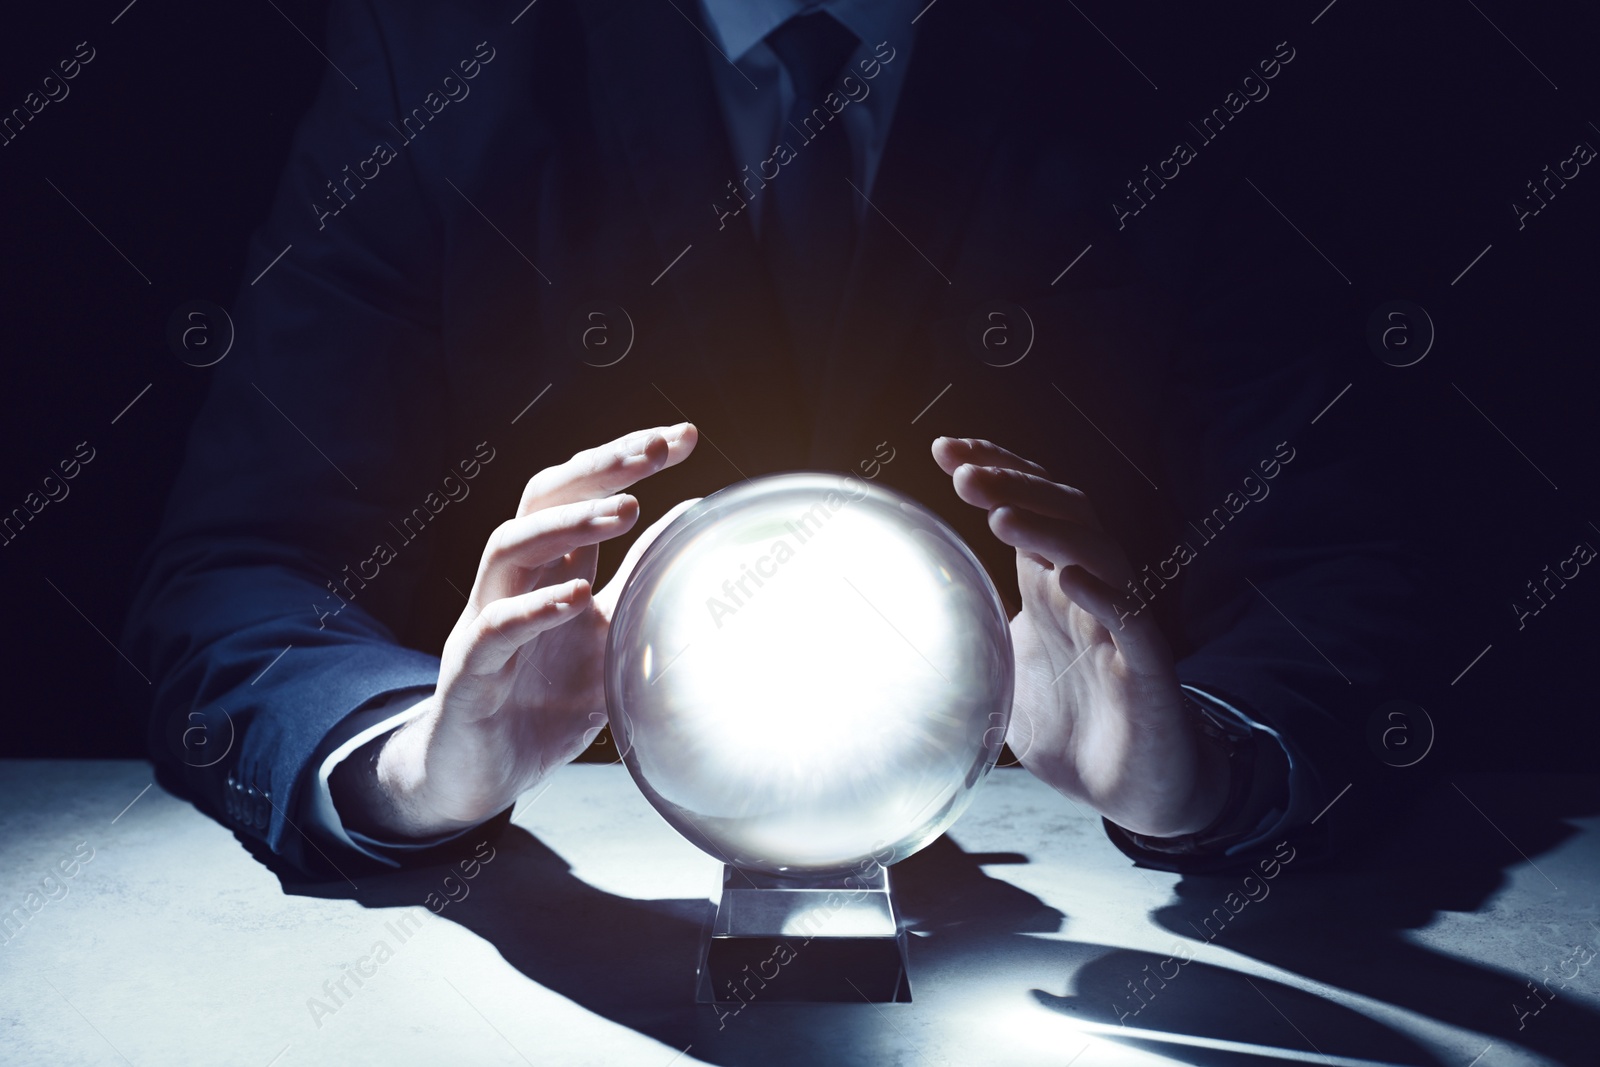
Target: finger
[(951, 452), (610, 468), (1134, 630), (519, 546), (502, 628), (606, 599), (1062, 543), (579, 563), (993, 487)]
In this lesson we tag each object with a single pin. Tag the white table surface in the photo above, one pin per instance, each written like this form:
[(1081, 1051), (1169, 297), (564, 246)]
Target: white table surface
[(577, 942)]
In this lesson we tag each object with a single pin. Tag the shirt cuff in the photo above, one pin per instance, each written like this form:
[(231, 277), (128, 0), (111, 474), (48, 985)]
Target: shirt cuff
[(356, 730)]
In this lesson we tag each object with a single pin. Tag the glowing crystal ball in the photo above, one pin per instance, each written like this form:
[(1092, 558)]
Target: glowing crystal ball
[(807, 673)]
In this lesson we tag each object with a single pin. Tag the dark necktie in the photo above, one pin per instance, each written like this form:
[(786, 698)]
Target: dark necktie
[(808, 225)]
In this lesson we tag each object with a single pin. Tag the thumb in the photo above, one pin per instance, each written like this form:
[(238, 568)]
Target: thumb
[(605, 601)]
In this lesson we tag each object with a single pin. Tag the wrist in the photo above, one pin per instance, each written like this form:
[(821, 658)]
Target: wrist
[(384, 789), (1214, 784), (1225, 780)]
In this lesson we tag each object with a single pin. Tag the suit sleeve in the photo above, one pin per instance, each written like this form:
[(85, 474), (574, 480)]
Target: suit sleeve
[(1294, 560), (267, 607)]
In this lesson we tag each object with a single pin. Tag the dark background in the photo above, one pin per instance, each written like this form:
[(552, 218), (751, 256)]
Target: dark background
[(1396, 142)]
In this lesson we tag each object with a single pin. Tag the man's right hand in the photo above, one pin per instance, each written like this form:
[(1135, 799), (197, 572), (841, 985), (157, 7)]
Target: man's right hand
[(520, 681)]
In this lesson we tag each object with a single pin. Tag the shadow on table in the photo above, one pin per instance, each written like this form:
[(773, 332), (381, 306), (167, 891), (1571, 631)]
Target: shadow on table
[(1346, 926), (633, 961), (969, 922)]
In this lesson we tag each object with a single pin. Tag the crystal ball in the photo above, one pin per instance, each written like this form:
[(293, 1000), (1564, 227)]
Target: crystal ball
[(808, 674)]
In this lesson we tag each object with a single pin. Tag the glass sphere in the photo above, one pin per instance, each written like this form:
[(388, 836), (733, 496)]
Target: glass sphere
[(808, 673)]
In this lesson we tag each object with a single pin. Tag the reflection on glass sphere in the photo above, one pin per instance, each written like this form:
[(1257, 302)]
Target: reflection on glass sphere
[(806, 671)]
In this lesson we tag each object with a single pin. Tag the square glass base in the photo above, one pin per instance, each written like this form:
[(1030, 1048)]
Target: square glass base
[(778, 939)]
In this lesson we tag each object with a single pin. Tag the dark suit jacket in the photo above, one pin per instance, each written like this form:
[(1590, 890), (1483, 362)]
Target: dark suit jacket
[(397, 344)]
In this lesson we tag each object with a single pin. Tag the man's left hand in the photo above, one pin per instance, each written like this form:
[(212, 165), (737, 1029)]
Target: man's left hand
[(1098, 712)]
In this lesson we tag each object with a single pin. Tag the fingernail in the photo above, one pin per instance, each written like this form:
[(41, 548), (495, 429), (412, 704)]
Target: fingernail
[(675, 432)]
